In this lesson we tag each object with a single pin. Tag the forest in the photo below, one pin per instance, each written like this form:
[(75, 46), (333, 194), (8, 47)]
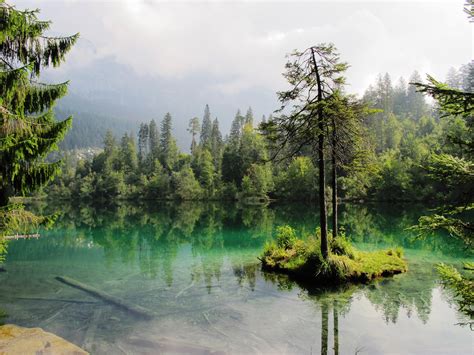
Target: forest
[(402, 137)]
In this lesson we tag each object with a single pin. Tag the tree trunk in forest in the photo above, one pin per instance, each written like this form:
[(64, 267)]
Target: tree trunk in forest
[(4, 197), (334, 182), (321, 167)]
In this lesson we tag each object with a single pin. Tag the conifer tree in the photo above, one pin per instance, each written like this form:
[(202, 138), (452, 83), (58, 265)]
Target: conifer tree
[(235, 132), (385, 84), (194, 128), (142, 143), (216, 144), (313, 74), (28, 128), (110, 152), (206, 128), (400, 98), (109, 143), (416, 100), (168, 147), (206, 169), (153, 141), (128, 153), (467, 71), (454, 79), (249, 117)]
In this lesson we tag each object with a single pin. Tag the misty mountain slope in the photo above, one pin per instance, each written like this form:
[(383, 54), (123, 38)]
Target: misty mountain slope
[(89, 128), (115, 96)]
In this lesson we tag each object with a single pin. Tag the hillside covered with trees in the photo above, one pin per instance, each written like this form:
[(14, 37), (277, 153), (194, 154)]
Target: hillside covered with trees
[(400, 134)]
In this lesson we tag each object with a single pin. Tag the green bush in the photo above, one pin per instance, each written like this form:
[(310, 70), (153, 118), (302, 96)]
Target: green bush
[(341, 246), (286, 237)]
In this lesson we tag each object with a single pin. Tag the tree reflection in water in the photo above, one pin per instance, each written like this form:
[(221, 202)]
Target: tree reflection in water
[(152, 236)]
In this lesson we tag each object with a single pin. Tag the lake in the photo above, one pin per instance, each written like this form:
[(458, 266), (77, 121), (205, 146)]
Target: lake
[(194, 268)]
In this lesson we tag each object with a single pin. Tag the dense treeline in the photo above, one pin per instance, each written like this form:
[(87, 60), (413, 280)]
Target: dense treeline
[(152, 167), (400, 137), (403, 138)]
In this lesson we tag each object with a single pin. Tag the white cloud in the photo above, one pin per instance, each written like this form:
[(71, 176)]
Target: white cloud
[(244, 44)]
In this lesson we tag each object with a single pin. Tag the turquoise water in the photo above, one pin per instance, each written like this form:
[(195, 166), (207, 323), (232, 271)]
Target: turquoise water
[(194, 268)]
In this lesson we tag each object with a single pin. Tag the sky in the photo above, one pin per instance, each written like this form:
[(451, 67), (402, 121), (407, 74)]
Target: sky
[(244, 43), (240, 46)]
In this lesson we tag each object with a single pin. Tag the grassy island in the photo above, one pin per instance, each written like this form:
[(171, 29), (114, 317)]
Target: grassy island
[(301, 259)]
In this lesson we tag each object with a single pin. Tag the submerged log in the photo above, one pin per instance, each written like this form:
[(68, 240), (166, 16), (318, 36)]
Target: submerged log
[(134, 309), (54, 300)]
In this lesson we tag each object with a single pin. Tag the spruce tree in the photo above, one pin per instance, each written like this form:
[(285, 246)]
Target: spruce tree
[(415, 100), (194, 128), (110, 153), (128, 154), (216, 144), (467, 71), (249, 117), (235, 132), (168, 147), (142, 143), (28, 128), (206, 169), (153, 141), (400, 98), (454, 79), (206, 128)]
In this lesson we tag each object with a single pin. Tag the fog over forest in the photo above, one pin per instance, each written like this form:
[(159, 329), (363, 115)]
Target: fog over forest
[(137, 60)]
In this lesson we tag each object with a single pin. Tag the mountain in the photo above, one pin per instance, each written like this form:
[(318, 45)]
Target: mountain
[(105, 94)]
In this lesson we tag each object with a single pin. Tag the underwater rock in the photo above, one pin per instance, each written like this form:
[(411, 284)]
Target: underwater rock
[(20, 340)]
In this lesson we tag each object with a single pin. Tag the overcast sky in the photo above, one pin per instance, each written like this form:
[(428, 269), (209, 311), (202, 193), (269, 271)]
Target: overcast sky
[(243, 44)]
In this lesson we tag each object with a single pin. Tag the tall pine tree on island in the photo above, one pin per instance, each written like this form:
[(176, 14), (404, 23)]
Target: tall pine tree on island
[(313, 74)]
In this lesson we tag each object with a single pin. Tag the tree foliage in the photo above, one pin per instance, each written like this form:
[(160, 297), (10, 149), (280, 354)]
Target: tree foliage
[(28, 128)]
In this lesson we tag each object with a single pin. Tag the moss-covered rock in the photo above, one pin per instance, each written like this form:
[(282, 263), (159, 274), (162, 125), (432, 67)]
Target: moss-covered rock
[(302, 259)]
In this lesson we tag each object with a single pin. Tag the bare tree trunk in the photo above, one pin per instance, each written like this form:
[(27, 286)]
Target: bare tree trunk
[(321, 168), (334, 182), (4, 196)]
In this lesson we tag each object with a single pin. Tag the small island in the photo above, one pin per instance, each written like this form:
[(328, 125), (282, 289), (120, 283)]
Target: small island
[(302, 259)]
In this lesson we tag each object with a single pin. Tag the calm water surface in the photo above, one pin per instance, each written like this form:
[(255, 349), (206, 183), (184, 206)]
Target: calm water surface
[(194, 267)]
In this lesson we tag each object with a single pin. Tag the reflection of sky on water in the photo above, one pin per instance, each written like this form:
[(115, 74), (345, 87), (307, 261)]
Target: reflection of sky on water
[(195, 267)]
